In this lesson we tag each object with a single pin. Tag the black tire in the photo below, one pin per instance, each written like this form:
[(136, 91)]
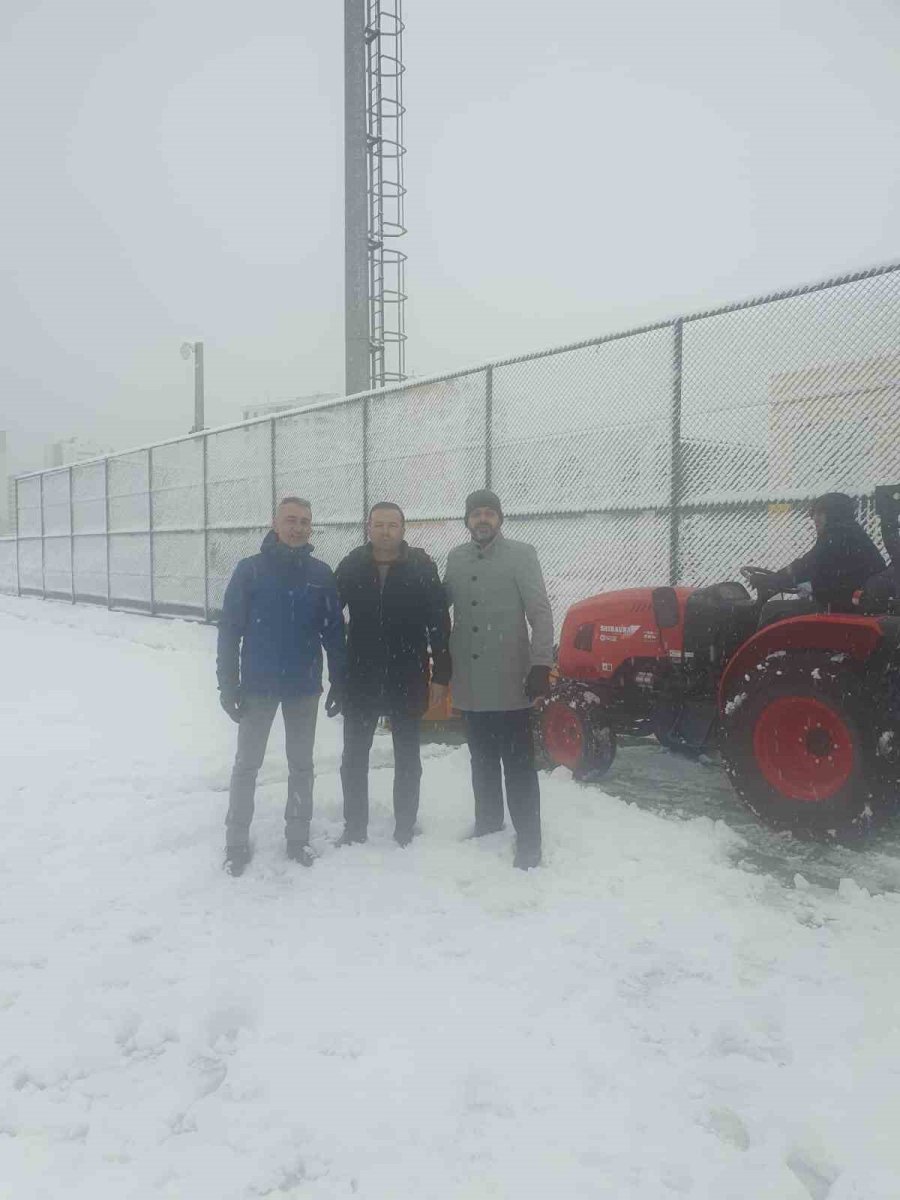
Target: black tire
[(799, 743), (573, 730)]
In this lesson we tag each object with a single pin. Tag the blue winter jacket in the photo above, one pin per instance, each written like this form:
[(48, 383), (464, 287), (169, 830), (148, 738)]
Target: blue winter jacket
[(280, 608)]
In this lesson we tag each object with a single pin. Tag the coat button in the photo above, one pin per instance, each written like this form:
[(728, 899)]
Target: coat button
[(474, 578), (474, 655), (474, 603), (474, 628)]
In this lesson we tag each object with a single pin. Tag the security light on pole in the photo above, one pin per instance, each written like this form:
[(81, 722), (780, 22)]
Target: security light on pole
[(196, 349)]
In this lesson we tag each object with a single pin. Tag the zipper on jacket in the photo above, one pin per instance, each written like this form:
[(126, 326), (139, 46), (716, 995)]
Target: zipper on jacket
[(384, 645)]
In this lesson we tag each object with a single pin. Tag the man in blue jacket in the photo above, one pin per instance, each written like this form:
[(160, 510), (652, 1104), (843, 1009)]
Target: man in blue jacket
[(280, 608)]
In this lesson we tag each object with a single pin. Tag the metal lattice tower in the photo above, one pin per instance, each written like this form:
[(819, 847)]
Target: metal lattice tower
[(385, 152)]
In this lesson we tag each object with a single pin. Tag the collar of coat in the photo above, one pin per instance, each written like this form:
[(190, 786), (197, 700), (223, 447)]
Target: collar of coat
[(481, 551), (369, 551), (294, 554)]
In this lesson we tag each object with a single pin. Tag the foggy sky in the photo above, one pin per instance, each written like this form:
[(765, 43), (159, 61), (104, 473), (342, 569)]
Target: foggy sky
[(572, 168)]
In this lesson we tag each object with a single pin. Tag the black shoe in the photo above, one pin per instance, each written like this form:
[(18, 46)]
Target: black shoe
[(526, 858), (236, 858), (481, 831), (300, 853), (403, 837), (351, 839)]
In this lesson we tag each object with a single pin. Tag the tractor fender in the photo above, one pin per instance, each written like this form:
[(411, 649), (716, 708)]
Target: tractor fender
[(848, 634)]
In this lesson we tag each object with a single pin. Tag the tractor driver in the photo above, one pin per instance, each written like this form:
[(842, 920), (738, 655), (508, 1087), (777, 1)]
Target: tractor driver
[(843, 558)]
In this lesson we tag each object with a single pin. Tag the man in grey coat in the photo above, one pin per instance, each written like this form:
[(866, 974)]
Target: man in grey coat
[(497, 591)]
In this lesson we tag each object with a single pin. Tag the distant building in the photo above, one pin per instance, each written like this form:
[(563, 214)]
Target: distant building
[(271, 409), (835, 426), (72, 450)]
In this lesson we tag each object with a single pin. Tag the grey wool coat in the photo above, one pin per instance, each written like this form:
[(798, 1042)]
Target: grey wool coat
[(496, 593)]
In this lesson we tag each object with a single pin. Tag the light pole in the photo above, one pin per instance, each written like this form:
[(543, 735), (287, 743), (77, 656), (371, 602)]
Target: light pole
[(196, 348)]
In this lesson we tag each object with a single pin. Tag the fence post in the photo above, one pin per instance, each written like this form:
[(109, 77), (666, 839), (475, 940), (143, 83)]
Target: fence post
[(72, 531), (675, 463), (18, 572), (106, 503), (205, 534), (43, 556), (365, 465), (150, 528), (488, 426)]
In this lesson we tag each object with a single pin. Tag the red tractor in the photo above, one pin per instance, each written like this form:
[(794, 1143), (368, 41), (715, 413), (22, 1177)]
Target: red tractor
[(805, 710)]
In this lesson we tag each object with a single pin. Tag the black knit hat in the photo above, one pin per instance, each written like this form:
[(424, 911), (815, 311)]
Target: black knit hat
[(483, 498), (836, 507)]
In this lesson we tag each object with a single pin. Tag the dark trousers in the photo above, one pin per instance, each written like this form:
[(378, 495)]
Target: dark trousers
[(257, 715), (505, 738), (359, 730)]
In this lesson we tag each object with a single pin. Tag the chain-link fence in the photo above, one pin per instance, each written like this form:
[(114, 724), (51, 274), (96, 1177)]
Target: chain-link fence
[(672, 453)]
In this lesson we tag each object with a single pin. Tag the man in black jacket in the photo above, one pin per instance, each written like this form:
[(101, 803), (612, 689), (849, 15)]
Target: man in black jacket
[(397, 611), (843, 558)]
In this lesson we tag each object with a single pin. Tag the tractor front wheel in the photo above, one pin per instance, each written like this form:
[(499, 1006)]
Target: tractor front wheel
[(799, 746), (574, 732)]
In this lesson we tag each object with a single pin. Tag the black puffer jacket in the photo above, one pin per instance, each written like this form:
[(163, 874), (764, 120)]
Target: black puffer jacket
[(842, 560), (391, 631)]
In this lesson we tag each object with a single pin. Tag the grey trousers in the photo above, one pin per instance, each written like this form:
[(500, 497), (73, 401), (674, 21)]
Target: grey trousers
[(257, 715)]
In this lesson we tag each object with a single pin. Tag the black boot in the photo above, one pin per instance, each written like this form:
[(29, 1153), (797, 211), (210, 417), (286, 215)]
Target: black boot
[(527, 857), (349, 838), (480, 831), (236, 858), (300, 853)]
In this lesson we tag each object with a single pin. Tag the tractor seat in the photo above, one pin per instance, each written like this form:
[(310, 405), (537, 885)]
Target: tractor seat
[(880, 594)]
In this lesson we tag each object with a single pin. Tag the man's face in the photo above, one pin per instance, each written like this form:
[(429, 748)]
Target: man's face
[(386, 531), (483, 524), (293, 524), (818, 520)]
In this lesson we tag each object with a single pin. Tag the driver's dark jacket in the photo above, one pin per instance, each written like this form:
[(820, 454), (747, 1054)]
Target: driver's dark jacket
[(843, 558), (391, 630)]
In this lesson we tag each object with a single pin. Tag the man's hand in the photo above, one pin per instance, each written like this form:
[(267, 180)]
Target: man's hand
[(437, 694), (231, 703), (334, 700), (537, 685)]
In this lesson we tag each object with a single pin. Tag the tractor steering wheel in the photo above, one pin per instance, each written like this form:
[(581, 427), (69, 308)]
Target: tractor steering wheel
[(756, 578)]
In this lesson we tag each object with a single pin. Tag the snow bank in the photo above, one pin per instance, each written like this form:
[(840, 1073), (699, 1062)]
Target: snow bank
[(640, 1019)]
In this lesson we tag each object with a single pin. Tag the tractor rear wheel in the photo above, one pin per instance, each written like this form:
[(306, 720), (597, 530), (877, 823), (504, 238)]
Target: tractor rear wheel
[(799, 744), (574, 732)]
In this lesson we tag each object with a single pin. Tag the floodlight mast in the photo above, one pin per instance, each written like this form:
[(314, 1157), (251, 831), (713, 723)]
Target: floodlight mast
[(375, 333), (196, 349)]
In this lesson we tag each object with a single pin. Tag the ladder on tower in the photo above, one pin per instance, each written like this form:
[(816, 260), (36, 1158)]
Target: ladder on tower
[(386, 192)]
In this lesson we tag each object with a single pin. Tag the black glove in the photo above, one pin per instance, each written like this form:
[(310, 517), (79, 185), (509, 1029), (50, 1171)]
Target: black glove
[(538, 683), (334, 699), (231, 703)]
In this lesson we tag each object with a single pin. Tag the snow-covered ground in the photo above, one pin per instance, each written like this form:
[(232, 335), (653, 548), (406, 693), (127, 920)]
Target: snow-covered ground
[(648, 1016)]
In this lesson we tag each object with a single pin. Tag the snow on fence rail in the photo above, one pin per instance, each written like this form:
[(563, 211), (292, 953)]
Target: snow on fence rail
[(675, 452)]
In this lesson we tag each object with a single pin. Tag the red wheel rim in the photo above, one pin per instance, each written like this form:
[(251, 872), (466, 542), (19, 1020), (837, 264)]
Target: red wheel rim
[(803, 747), (563, 734)]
